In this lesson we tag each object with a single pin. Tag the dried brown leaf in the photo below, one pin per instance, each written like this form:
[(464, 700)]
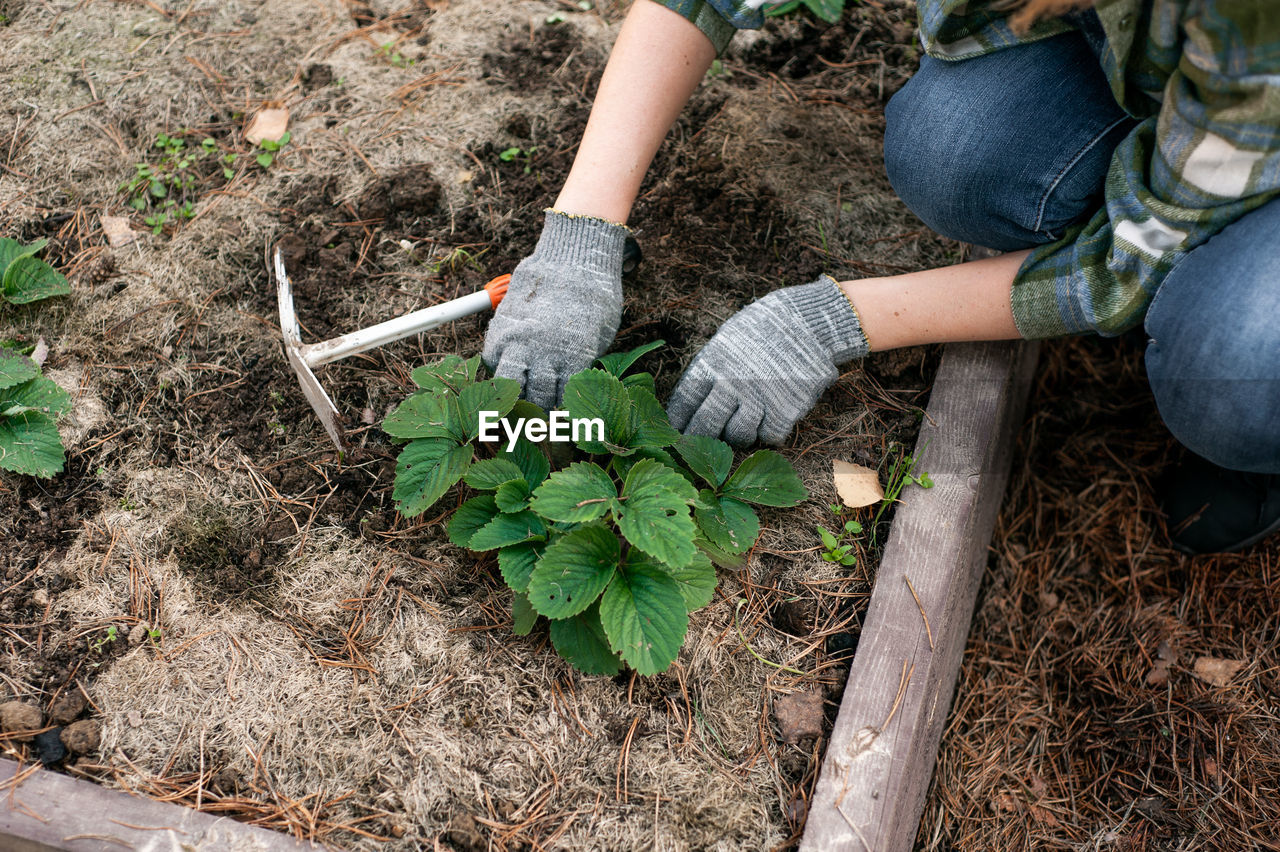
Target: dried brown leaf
[(117, 230), (857, 485), (1215, 670), (268, 124), (1165, 657)]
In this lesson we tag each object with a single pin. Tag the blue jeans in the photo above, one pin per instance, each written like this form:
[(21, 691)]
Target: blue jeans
[(1006, 150)]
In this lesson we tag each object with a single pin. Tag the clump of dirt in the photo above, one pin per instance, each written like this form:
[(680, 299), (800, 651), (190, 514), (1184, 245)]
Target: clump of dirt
[(408, 19), (223, 556), (402, 198), (877, 39), (534, 63)]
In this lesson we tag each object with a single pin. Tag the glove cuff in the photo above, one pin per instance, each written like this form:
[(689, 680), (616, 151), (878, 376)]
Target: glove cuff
[(831, 318), (583, 242)]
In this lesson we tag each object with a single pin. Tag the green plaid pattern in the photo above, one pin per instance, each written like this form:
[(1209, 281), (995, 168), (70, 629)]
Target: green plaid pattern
[(1203, 78)]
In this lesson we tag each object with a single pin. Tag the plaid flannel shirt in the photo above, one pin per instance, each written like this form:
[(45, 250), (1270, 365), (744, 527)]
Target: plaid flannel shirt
[(1203, 79)]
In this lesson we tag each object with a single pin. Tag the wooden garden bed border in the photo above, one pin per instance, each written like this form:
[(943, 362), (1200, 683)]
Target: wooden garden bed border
[(878, 765), (51, 812)]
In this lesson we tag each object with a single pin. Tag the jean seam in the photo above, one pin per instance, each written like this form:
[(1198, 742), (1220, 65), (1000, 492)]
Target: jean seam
[(1160, 290), (1044, 199)]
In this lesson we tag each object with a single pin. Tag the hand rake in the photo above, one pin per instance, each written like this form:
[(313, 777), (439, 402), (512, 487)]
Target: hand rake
[(304, 357)]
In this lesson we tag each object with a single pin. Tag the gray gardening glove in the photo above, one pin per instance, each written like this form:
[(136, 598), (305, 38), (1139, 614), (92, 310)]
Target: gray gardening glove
[(562, 307), (768, 364)]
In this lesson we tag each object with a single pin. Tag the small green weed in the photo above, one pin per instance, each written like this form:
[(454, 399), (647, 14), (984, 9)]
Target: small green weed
[(458, 258), (166, 188), (109, 637), (394, 56), (516, 153), (901, 474), (837, 548), (270, 149)]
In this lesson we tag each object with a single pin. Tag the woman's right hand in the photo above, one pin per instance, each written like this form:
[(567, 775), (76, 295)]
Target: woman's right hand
[(562, 307)]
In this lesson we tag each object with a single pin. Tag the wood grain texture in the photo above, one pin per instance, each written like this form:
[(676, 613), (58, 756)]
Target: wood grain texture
[(879, 762), (52, 812)]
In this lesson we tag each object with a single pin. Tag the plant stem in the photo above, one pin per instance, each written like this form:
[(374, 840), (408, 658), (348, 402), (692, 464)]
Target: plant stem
[(741, 603)]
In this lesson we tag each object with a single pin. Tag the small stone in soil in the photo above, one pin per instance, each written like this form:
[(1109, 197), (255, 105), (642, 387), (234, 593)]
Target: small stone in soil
[(18, 716), (49, 747), (67, 707), (82, 737), (226, 780), (799, 716)]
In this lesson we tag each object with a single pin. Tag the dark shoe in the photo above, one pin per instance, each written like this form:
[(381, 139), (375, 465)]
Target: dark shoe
[(1215, 510)]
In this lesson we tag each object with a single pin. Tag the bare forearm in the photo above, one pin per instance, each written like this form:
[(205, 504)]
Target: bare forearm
[(968, 301), (656, 63)]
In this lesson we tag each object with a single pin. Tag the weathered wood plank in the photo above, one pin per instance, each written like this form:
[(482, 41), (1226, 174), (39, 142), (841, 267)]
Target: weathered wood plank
[(52, 812), (882, 751)]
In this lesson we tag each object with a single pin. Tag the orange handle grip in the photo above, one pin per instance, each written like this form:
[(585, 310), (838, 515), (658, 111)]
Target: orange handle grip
[(497, 288)]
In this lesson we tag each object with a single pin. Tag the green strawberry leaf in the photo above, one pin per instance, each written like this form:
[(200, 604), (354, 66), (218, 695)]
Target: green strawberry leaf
[(573, 571), (512, 496), (496, 395), (728, 561), (727, 523), (516, 562), (12, 250), (697, 580), (709, 458), (582, 641), (488, 474), (644, 616), (470, 517), (29, 279), (526, 410), (653, 512), (640, 380), (767, 479), (532, 462), (16, 369), (652, 428), (523, 615), (425, 469), (617, 363), (622, 464), (593, 394), (38, 394), (427, 414), (579, 493), (508, 529), (451, 373), (30, 444)]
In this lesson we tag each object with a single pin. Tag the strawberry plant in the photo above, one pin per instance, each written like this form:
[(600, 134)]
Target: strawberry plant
[(619, 544), (29, 406), (828, 10), (26, 278)]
